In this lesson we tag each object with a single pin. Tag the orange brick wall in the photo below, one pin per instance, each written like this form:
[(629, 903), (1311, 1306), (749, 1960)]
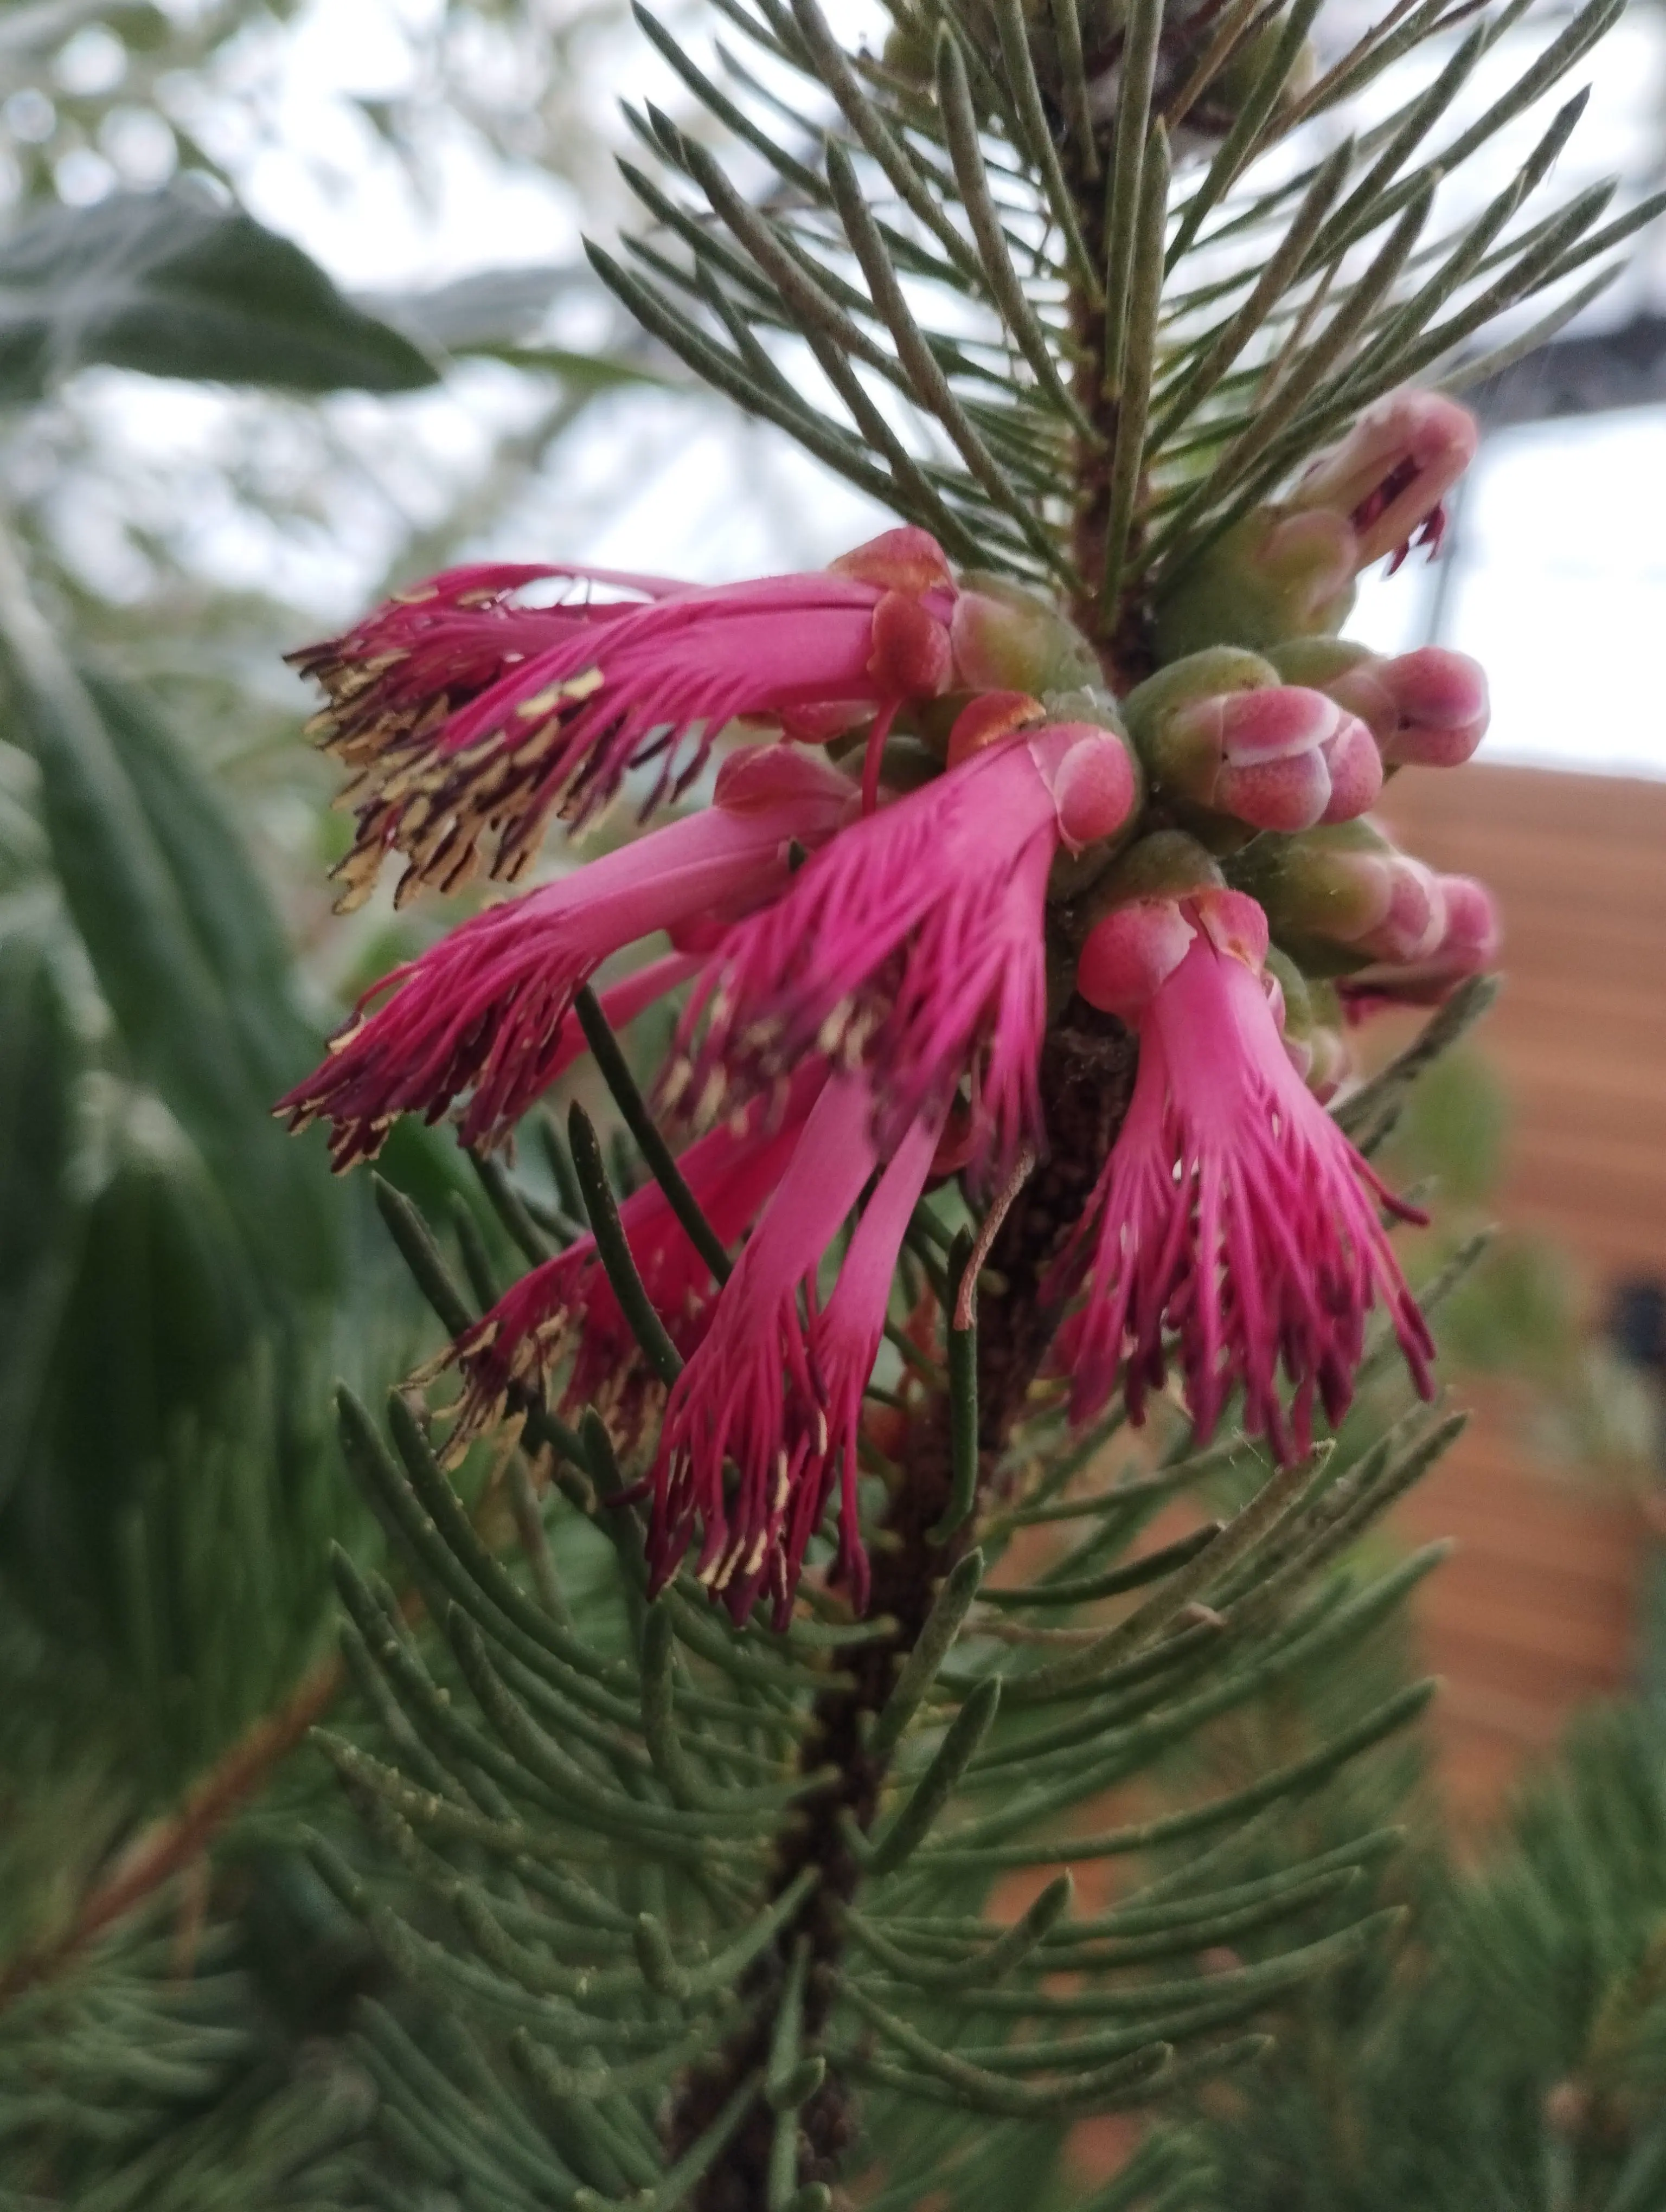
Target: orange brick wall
[(1536, 1612)]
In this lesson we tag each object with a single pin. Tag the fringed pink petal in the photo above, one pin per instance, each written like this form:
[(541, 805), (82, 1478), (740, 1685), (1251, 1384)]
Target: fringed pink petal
[(912, 945), (485, 1011), (468, 718), (743, 1421), (844, 1342), (1234, 1226), (567, 1308)]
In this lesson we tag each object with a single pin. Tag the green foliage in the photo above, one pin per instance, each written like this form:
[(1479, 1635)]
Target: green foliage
[(631, 1900), (131, 2088), (584, 1793), (1514, 2056), (163, 282), (932, 231), (180, 1274)]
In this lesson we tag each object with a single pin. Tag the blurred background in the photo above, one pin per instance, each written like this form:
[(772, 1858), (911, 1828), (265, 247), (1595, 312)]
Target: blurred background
[(193, 484)]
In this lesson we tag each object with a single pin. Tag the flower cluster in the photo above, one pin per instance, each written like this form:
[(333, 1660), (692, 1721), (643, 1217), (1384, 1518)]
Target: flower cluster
[(931, 823)]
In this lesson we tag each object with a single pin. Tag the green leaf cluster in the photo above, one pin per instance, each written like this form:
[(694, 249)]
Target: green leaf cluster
[(601, 1855), (1513, 2056), (964, 274)]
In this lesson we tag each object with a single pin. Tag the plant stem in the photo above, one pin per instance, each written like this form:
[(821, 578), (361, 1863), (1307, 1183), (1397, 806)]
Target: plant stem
[(1087, 1065)]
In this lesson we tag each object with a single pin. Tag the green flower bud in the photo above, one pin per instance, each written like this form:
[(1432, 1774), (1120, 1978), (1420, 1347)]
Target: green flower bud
[(1007, 639)]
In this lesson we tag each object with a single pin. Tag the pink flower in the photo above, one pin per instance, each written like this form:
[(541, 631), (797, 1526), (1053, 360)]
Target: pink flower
[(567, 1306), (1286, 570), (465, 715), (1468, 946), (912, 945), (844, 1342), (1391, 474), (1232, 1215), (487, 1010), (750, 1397)]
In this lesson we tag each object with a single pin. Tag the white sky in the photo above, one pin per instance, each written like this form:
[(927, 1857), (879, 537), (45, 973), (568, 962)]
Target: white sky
[(1561, 581)]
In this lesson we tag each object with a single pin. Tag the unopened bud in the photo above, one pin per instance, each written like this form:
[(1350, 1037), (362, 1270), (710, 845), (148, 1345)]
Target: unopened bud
[(1416, 917), (1128, 954), (1287, 570), (1441, 706), (1272, 576), (1427, 709), (905, 559), (1311, 1024), (1219, 732), (911, 655), (1467, 944), (1091, 778), (1167, 864), (1126, 958), (1007, 639), (1343, 895)]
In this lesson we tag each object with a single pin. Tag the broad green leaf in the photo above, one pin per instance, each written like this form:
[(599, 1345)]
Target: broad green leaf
[(163, 282), (492, 307), (225, 903), (146, 906)]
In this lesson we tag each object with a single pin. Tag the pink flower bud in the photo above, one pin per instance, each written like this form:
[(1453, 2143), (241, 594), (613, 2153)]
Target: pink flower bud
[(1308, 1013), (1129, 956), (1356, 772), (1278, 756), (1290, 794), (1415, 918), (1440, 707), (1329, 1062), (1341, 894), (1472, 928), (905, 560), (1428, 708), (1391, 473), (1466, 944), (1091, 779), (1286, 570), (1272, 576)]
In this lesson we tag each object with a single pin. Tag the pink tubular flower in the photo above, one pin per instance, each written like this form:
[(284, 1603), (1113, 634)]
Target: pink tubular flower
[(751, 1397), (487, 1009), (567, 1306), (1287, 570), (1389, 476), (1232, 1214), (913, 943), (1468, 946), (844, 1342), (464, 715)]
